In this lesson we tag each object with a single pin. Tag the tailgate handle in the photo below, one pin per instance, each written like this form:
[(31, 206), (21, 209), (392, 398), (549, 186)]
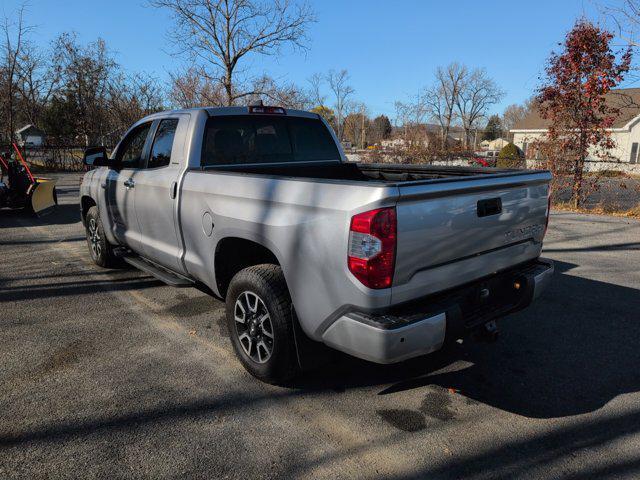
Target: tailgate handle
[(489, 206)]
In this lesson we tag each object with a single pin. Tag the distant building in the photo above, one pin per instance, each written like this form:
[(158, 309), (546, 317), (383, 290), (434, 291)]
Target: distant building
[(394, 143), (346, 145), (625, 132), (423, 134), (496, 144), (30, 135)]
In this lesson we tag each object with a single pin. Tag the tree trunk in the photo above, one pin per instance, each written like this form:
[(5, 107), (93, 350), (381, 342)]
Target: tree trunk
[(445, 136), (228, 87), (10, 104), (467, 137), (576, 194)]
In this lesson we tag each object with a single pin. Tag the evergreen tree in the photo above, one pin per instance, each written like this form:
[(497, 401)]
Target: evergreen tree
[(381, 127), (493, 129)]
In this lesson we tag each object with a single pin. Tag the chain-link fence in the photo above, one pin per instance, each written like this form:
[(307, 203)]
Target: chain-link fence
[(62, 157)]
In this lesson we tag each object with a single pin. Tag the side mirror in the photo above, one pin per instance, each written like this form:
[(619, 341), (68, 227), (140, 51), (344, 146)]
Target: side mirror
[(96, 157)]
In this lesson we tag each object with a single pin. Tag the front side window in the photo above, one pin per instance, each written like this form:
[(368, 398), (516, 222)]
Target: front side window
[(131, 149), (231, 140), (163, 143)]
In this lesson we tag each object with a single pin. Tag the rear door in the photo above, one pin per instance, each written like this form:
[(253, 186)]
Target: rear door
[(156, 192), (130, 158)]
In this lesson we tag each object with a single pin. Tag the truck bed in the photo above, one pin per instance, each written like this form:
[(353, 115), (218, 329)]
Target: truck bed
[(387, 174), (455, 224)]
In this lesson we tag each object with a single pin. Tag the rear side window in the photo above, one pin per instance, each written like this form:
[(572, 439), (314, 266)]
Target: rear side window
[(232, 140), (163, 143)]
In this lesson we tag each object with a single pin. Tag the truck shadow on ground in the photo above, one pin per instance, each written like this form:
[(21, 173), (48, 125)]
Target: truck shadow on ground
[(63, 214), (570, 353)]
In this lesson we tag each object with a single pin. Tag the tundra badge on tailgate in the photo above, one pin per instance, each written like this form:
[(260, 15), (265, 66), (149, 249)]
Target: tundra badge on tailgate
[(524, 232)]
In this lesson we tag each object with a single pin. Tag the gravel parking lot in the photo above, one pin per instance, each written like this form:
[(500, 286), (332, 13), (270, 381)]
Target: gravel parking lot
[(111, 374)]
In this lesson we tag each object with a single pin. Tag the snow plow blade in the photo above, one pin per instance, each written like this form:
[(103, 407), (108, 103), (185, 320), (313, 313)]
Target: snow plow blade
[(43, 196)]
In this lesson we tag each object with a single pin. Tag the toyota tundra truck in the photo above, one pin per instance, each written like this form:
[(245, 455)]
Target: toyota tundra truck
[(259, 206)]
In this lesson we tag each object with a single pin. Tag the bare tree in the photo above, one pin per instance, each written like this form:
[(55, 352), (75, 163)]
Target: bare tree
[(357, 124), (626, 16), (441, 99), (130, 97), (38, 80), (192, 89), (338, 83), (402, 116), (434, 103), (218, 34), (412, 115), (13, 34), (476, 94), (85, 71), (514, 114), (283, 94), (315, 94)]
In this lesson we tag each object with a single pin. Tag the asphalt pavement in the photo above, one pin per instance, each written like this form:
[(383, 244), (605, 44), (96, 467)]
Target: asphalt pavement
[(111, 374)]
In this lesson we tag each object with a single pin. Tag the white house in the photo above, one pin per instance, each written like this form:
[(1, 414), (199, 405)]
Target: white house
[(30, 135), (496, 144), (625, 132)]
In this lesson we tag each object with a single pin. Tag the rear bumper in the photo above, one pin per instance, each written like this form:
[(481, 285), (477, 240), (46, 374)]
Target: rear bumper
[(421, 327)]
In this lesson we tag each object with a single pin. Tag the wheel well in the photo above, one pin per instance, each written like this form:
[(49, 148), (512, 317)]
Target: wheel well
[(85, 204), (234, 254)]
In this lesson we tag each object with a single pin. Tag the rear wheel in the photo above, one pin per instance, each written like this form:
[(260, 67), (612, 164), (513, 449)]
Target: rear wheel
[(99, 247), (260, 324)]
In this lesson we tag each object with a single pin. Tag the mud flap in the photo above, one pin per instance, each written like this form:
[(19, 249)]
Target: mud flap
[(311, 354), (42, 196)]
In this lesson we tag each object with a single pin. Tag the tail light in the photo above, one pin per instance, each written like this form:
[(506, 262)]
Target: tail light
[(372, 247)]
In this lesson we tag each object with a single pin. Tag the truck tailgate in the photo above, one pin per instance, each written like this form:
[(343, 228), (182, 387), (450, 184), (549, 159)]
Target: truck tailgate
[(455, 230)]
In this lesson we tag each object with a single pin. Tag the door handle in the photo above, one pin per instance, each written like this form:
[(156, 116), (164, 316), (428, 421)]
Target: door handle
[(174, 190), (129, 183)]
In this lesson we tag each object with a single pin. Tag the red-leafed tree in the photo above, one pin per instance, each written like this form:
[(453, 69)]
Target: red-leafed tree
[(573, 98)]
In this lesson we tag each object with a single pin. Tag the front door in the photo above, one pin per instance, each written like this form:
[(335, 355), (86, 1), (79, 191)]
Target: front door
[(120, 185)]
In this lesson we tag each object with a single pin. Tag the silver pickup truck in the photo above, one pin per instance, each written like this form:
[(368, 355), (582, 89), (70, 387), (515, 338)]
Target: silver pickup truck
[(259, 206)]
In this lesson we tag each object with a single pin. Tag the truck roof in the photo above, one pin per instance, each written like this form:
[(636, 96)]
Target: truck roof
[(215, 111)]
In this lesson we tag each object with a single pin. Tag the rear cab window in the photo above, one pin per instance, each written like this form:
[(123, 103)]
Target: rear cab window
[(260, 139)]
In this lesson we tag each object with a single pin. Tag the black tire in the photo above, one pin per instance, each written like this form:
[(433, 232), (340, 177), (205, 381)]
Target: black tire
[(99, 247), (268, 284)]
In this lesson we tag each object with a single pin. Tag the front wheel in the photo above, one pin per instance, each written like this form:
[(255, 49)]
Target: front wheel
[(260, 324), (99, 247)]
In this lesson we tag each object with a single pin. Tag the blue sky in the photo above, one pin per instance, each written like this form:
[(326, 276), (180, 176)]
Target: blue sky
[(389, 48)]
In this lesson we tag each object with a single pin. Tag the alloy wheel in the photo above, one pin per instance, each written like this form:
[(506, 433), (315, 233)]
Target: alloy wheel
[(254, 327), (94, 238)]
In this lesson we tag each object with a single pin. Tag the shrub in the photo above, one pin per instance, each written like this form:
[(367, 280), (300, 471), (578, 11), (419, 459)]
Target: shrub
[(510, 157)]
